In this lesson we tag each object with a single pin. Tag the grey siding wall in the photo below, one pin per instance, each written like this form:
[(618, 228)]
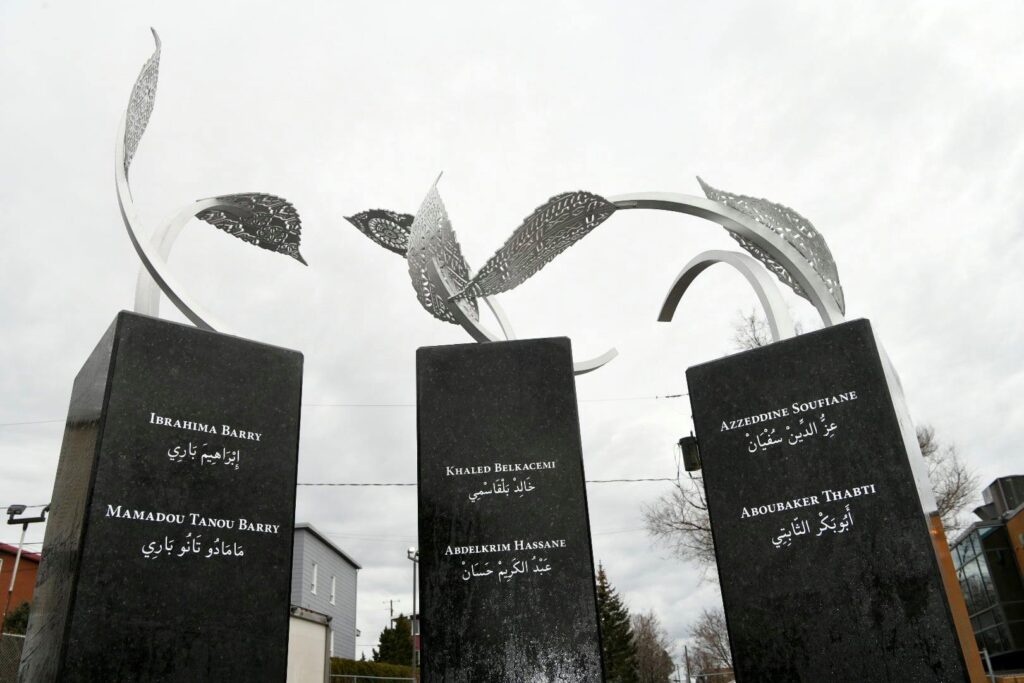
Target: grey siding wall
[(297, 569), (310, 549)]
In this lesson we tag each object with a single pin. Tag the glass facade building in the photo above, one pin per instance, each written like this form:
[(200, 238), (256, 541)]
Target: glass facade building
[(991, 580)]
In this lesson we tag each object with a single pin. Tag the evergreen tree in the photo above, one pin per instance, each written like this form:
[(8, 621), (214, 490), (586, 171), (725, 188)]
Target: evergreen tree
[(395, 645), (618, 648), (17, 619)]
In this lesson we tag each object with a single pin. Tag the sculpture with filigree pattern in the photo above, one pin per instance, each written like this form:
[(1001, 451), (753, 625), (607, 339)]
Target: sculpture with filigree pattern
[(264, 220), (774, 236), (782, 240)]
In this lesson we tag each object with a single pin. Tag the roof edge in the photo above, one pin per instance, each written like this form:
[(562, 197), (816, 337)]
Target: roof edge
[(25, 554), (329, 543)]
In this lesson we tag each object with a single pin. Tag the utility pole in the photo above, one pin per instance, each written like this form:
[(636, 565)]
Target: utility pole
[(413, 555), (686, 656), (12, 511), (391, 608)]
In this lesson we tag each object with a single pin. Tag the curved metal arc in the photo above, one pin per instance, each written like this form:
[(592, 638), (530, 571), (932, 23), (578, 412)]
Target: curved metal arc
[(499, 314), (474, 327), (147, 292), (150, 257), (482, 334), (779, 320), (748, 228), (585, 366)]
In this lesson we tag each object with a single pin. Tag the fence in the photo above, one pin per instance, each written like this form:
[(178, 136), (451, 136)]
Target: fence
[(360, 678), (715, 677), (10, 655)]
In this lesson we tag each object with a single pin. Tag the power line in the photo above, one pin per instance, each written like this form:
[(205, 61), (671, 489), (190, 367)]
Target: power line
[(31, 422), (352, 484), (358, 405), (365, 537), (362, 537), (392, 539), (616, 531), (632, 398), (398, 405), (589, 481), (413, 405), (619, 481), (25, 543)]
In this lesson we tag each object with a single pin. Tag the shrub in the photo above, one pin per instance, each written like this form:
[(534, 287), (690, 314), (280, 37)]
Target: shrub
[(17, 619), (357, 668)]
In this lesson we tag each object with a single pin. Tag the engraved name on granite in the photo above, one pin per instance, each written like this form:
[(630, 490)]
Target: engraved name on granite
[(168, 552), (507, 572)]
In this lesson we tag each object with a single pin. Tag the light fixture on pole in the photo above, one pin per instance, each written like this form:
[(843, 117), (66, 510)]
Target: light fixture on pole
[(690, 451), (413, 555), (12, 512)]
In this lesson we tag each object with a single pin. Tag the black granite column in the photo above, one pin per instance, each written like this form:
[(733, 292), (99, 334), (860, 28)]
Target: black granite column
[(507, 571), (824, 554), (167, 556)]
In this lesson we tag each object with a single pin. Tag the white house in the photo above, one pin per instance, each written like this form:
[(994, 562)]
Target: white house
[(324, 581)]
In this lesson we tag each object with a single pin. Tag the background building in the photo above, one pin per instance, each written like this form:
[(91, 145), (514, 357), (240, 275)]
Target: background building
[(25, 584), (989, 559), (324, 581), (309, 636)]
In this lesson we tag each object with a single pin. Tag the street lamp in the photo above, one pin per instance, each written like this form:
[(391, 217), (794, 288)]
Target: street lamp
[(690, 451), (413, 555), (12, 512)]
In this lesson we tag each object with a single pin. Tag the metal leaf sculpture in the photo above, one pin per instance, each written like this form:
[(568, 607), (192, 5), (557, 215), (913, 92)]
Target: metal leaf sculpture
[(265, 220), (552, 228), (432, 239), (140, 104), (794, 229), (387, 228)]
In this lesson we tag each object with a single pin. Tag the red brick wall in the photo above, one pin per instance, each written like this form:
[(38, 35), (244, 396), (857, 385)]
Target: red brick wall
[(25, 583)]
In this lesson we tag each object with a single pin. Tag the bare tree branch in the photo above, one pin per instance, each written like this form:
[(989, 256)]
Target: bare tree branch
[(955, 485), (750, 331), (711, 651), (653, 659), (679, 519)]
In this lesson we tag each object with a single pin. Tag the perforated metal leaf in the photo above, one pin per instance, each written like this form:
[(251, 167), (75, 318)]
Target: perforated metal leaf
[(264, 220), (794, 229), (387, 228), (552, 228), (432, 240), (140, 104)]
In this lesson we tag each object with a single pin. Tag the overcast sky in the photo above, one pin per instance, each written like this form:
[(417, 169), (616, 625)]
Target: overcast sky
[(894, 127)]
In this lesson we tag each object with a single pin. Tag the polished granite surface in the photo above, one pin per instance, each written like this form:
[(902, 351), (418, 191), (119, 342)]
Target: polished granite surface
[(507, 571), (824, 555), (167, 556)]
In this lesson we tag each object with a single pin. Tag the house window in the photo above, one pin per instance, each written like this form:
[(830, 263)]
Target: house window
[(333, 586), (312, 587)]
